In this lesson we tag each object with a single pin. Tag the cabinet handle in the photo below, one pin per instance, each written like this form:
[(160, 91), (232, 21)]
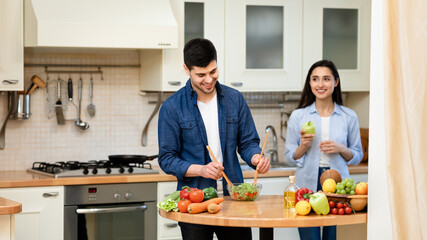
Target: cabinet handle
[(237, 84), (50, 194), (175, 83), (171, 225), (9, 82)]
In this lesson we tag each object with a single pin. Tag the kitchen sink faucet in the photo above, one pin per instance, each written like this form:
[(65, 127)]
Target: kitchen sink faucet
[(273, 152)]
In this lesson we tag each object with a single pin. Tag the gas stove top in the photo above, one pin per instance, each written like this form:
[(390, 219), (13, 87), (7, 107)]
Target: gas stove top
[(90, 168)]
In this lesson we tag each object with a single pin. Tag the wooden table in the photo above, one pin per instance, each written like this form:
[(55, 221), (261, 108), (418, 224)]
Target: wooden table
[(7, 210), (266, 212)]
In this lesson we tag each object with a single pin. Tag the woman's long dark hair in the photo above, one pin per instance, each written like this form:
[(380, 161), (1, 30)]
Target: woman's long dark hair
[(307, 96)]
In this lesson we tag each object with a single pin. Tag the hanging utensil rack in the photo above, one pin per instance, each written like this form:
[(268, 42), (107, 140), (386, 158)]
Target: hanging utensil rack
[(97, 66)]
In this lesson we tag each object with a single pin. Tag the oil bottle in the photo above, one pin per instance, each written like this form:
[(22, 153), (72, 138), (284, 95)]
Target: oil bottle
[(289, 193)]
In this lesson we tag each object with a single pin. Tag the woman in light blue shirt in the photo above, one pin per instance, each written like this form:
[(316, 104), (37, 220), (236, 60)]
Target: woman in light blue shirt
[(336, 143)]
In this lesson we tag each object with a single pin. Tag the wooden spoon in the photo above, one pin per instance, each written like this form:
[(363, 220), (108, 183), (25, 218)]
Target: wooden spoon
[(222, 172), (260, 156)]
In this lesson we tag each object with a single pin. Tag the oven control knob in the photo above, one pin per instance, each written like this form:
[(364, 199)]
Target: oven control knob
[(128, 195), (130, 169), (108, 171), (95, 171), (85, 171), (117, 196), (121, 170)]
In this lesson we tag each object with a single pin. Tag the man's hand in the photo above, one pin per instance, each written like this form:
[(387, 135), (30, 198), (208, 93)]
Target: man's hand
[(262, 164), (211, 170)]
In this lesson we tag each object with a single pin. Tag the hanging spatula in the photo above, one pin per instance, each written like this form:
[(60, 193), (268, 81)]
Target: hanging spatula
[(58, 106), (91, 107)]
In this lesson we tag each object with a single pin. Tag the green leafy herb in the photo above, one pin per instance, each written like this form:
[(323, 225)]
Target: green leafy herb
[(170, 203)]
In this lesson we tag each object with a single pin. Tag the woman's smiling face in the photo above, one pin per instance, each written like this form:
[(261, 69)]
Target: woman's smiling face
[(322, 83)]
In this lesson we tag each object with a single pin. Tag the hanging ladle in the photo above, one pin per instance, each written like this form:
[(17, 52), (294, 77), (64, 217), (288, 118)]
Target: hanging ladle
[(79, 123)]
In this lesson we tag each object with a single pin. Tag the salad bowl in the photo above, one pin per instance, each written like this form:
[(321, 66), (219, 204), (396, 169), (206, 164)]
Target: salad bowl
[(244, 191)]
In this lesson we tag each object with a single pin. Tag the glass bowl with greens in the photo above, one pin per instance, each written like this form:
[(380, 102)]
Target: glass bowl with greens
[(244, 191)]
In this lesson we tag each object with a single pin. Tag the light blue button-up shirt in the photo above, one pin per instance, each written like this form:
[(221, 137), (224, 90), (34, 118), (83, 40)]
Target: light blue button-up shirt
[(343, 128)]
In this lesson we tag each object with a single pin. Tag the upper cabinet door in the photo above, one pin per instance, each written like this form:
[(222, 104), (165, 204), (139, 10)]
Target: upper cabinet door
[(11, 45), (263, 45), (339, 30), (162, 70)]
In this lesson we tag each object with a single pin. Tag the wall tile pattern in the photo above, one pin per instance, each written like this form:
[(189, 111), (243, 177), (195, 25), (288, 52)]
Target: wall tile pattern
[(121, 113)]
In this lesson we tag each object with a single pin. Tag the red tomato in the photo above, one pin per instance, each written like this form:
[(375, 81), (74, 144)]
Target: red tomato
[(183, 205), (331, 204), (344, 205), (339, 205), (341, 211), (334, 211), (196, 196), (347, 210)]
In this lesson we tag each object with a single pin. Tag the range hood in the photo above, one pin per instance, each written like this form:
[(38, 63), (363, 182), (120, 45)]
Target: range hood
[(100, 24)]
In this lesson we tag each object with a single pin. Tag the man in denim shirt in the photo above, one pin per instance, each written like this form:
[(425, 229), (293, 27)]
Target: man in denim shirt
[(202, 113)]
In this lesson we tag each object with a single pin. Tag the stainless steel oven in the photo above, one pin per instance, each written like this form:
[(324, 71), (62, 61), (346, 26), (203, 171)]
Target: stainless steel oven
[(111, 212)]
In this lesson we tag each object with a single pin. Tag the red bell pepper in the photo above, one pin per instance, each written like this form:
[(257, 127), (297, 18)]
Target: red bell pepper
[(303, 194), (185, 192)]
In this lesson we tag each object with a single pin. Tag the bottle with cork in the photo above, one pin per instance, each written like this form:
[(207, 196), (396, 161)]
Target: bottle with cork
[(289, 193)]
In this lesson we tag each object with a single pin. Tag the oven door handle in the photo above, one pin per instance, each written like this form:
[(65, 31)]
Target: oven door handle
[(111, 210)]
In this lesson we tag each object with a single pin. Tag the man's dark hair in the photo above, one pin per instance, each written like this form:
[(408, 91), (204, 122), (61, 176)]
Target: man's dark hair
[(199, 52), (307, 96)]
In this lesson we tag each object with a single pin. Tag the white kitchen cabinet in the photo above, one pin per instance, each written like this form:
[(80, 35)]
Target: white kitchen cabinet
[(6, 225), (42, 216), (162, 70), (339, 30), (167, 229), (274, 186), (11, 45), (263, 45)]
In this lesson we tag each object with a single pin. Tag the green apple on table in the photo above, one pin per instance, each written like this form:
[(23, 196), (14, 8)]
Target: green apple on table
[(309, 127)]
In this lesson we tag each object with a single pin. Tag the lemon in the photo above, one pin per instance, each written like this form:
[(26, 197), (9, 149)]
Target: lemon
[(303, 208), (329, 185)]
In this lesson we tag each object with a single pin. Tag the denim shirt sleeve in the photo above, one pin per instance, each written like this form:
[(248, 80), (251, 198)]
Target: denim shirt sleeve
[(169, 143), (248, 140), (293, 140), (354, 142)]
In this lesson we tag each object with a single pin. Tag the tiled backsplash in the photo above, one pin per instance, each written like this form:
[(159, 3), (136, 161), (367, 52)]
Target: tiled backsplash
[(121, 114)]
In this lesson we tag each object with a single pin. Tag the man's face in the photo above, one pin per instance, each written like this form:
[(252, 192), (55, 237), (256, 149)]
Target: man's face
[(203, 79)]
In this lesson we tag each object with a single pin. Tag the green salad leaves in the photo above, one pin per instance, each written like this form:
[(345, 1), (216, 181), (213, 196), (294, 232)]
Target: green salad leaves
[(244, 191), (170, 203)]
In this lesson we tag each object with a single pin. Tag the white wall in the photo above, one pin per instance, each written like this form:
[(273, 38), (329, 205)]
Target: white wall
[(359, 102), (379, 225)]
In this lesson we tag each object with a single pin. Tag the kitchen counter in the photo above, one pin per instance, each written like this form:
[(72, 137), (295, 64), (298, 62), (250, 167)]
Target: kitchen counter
[(8, 207), (12, 179)]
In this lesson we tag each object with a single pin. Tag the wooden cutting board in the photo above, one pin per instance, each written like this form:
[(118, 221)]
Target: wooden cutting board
[(364, 136)]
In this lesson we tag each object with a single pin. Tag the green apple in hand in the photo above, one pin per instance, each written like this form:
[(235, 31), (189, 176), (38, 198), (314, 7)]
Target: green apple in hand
[(309, 127)]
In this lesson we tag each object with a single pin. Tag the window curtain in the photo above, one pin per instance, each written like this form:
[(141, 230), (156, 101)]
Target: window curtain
[(405, 71)]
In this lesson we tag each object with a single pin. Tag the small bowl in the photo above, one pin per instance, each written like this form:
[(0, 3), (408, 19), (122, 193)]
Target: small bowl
[(244, 191)]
